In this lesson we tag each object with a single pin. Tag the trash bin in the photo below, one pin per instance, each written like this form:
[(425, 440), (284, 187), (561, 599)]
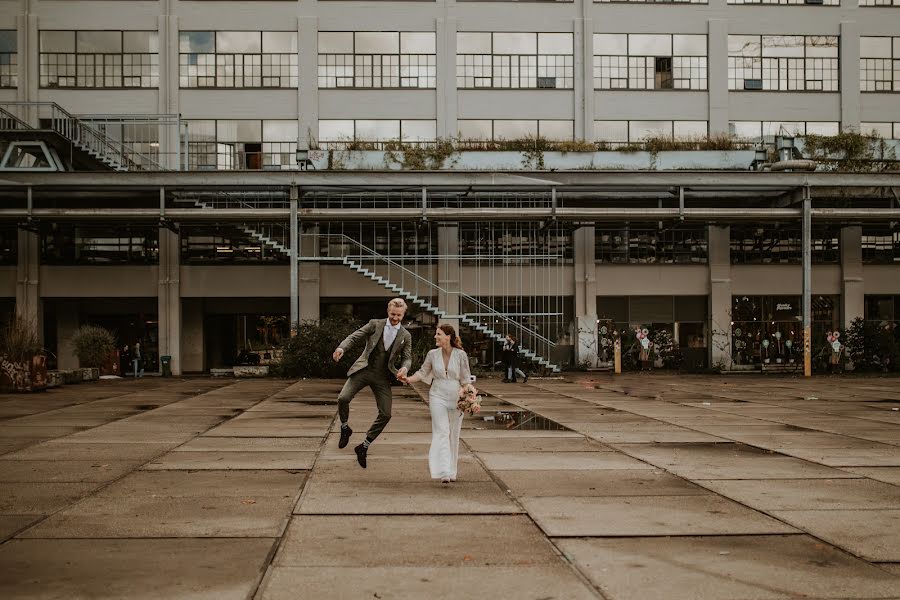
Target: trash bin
[(166, 362)]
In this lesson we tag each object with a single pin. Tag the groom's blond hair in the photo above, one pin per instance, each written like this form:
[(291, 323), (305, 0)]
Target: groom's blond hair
[(398, 303)]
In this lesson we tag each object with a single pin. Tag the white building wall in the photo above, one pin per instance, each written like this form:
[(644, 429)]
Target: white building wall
[(583, 105)]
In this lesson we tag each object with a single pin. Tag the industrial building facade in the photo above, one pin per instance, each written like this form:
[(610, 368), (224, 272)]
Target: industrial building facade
[(239, 87)]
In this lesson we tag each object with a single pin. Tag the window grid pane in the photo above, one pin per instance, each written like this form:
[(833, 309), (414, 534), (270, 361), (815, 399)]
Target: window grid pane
[(880, 74), (238, 70), (515, 71), (377, 71), (9, 61), (655, 1), (782, 245), (767, 67), (636, 72), (91, 70), (646, 243), (785, 2)]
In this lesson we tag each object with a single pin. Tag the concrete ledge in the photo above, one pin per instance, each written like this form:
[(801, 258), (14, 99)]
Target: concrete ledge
[(221, 372)]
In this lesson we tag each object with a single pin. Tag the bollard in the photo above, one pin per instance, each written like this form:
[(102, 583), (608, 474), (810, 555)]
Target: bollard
[(617, 349)]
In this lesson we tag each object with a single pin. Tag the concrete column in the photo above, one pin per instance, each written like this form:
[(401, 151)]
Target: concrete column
[(192, 348), (28, 296), (853, 294), (308, 94), (448, 271), (67, 321), (585, 295), (717, 60), (310, 274), (447, 98), (168, 101), (169, 297), (849, 61), (720, 295), (587, 107), (27, 46)]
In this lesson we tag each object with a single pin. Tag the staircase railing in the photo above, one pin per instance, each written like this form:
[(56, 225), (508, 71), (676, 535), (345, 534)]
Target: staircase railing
[(114, 153), (9, 121), (403, 281), (424, 292)]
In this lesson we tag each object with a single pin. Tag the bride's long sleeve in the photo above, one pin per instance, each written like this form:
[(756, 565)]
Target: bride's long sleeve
[(465, 373), (425, 371)]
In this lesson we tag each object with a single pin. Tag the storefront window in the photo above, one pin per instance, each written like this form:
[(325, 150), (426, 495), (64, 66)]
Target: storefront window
[(769, 329), (685, 318)]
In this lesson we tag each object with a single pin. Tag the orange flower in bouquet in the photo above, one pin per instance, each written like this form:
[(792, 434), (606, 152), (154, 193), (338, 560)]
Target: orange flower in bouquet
[(469, 401)]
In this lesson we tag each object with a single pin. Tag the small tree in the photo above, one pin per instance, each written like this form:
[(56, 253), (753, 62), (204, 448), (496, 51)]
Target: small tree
[(308, 354), (19, 340), (665, 348), (871, 346), (93, 345)]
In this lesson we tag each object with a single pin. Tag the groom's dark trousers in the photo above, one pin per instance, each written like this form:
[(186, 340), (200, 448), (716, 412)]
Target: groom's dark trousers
[(378, 377)]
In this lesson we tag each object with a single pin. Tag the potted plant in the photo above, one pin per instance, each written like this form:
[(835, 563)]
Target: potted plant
[(23, 364), (95, 348)]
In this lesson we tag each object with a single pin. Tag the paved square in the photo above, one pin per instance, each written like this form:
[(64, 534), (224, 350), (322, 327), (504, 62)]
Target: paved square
[(642, 487)]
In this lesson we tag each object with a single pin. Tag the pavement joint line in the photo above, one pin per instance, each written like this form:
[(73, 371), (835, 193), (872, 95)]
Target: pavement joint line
[(800, 530), (266, 570), (770, 450), (87, 404), (107, 484), (573, 567)]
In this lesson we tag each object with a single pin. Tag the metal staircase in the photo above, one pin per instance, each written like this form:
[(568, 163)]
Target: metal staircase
[(56, 121), (399, 279), (423, 292)]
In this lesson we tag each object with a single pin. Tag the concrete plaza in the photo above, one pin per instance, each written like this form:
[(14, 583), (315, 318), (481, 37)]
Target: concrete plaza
[(638, 487)]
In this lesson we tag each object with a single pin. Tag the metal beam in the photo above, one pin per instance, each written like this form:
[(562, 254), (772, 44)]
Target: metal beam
[(807, 282), (456, 214), (415, 180)]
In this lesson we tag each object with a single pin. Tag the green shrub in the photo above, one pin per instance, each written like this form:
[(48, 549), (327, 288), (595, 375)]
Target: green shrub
[(308, 354), (872, 346), (19, 340), (93, 345)]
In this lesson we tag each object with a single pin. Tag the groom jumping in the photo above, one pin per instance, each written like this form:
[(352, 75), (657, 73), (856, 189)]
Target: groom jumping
[(387, 343)]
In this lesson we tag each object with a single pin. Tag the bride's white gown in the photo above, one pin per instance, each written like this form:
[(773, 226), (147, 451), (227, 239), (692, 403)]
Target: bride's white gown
[(446, 420)]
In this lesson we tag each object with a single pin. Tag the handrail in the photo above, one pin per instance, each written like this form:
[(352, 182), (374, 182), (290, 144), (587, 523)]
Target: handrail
[(5, 114), (481, 305), (76, 130)]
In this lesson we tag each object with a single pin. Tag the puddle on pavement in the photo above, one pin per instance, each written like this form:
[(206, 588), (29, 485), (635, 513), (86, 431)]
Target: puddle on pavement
[(497, 414)]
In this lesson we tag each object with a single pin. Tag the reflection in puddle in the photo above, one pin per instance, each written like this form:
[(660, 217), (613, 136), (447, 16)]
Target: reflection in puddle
[(496, 414)]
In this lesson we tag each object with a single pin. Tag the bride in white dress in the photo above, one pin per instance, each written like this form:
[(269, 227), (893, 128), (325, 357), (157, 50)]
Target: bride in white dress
[(446, 368)]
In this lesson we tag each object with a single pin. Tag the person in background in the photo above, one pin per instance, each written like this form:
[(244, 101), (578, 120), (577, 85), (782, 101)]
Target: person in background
[(511, 359), (124, 360), (137, 360)]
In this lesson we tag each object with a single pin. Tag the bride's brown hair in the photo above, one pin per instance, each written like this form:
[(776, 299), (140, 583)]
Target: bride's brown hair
[(455, 342)]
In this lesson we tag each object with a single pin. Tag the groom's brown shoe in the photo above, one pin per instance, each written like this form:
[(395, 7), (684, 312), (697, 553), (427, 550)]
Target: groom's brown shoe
[(361, 452), (346, 432)]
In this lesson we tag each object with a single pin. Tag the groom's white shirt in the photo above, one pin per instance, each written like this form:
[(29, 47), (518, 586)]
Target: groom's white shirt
[(390, 332)]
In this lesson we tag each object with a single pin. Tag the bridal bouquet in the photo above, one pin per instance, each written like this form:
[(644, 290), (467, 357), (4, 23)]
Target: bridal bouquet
[(469, 401)]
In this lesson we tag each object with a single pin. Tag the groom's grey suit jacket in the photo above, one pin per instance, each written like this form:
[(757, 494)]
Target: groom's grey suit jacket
[(372, 332)]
